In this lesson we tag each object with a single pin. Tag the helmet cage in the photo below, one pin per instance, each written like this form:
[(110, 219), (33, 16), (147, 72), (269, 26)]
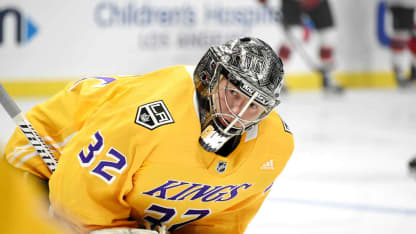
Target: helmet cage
[(244, 88), (240, 81)]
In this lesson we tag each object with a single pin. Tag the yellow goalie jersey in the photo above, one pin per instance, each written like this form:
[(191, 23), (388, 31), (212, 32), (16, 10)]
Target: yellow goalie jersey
[(129, 156)]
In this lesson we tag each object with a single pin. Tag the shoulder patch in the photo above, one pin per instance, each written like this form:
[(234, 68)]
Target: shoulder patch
[(153, 115)]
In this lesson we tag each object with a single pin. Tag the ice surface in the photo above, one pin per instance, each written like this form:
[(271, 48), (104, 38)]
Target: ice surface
[(348, 173)]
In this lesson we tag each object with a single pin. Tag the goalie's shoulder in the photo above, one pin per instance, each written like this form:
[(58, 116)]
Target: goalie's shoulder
[(278, 123), (280, 138), (91, 82), (100, 88)]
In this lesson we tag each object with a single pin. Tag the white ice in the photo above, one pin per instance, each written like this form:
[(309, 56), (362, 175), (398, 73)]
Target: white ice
[(348, 173)]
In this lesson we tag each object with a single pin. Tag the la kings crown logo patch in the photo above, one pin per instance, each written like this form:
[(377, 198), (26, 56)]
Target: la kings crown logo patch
[(153, 115)]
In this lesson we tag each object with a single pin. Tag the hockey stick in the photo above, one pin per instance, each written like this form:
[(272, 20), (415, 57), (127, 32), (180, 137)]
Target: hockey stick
[(300, 49), (35, 140)]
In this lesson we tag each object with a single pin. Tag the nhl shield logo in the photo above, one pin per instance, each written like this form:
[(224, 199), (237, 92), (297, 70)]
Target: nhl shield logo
[(221, 166), (153, 115)]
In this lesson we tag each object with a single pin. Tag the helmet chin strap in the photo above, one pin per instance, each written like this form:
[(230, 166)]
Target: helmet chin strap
[(212, 138)]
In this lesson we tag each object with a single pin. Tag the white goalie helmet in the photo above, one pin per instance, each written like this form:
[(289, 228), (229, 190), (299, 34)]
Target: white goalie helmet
[(238, 84)]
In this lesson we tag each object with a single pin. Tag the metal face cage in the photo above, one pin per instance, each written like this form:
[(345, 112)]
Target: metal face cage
[(236, 105)]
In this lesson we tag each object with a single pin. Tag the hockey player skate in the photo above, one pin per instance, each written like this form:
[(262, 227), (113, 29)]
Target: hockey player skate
[(328, 84)]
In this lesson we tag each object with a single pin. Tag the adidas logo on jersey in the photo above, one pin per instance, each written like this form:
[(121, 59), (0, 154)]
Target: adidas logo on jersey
[(268, 165)]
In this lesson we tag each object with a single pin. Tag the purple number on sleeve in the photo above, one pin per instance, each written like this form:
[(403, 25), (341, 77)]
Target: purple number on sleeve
[(118, 166), (93, 149)]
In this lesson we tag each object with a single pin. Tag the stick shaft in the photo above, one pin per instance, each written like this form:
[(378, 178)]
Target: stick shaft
[(35, 140), (7, 102)]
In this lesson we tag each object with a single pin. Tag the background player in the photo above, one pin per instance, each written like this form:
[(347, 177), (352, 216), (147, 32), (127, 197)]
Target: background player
[(128, 147), (295, 13), (403, 40)]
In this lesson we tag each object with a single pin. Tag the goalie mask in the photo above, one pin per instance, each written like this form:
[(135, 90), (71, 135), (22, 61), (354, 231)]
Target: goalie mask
[(238, 84)]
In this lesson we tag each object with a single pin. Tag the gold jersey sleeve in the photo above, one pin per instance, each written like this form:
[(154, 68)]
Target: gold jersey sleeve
[(133, 158), (57, 120), (22, 209)]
